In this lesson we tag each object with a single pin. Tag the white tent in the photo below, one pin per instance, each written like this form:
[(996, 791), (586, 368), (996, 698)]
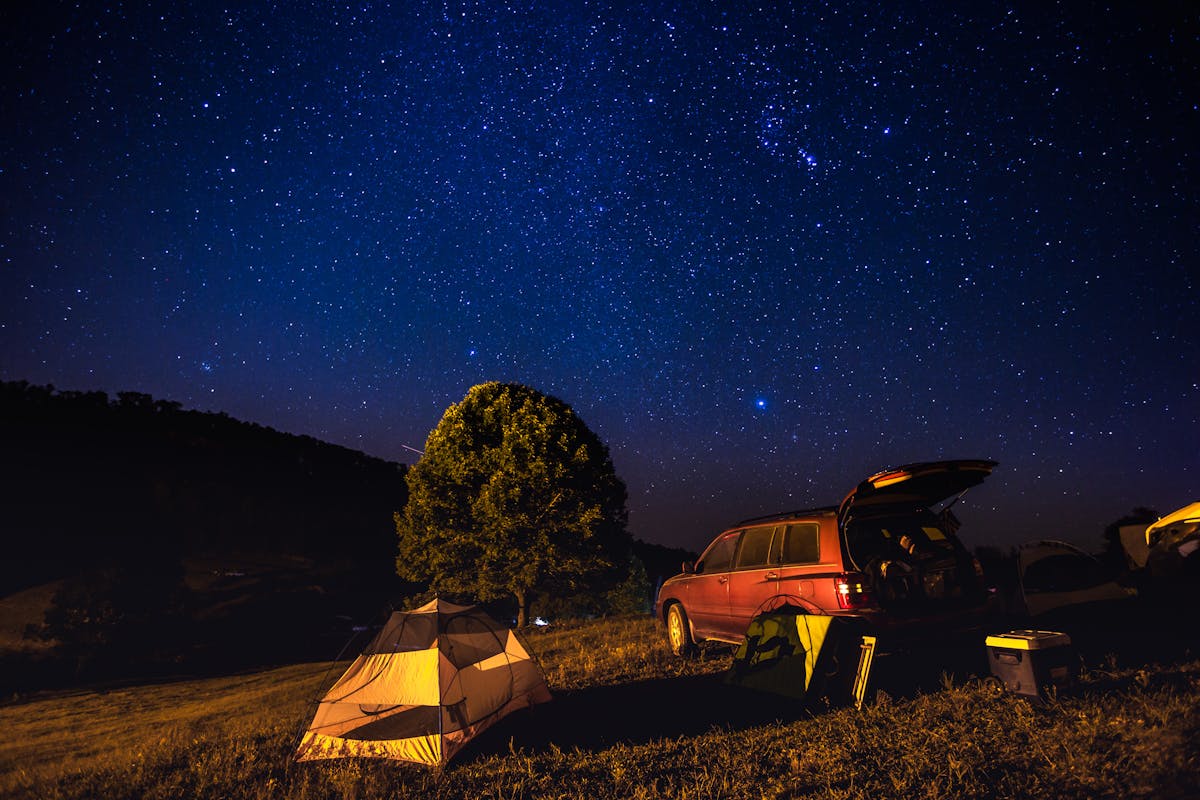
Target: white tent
[(1053, 574), (428, 683)]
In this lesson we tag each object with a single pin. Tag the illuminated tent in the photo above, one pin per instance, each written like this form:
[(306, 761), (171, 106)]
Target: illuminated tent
[(428, 683)]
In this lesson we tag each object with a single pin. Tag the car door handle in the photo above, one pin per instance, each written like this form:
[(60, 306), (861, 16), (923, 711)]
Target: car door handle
[(722, 579), (772, 576)]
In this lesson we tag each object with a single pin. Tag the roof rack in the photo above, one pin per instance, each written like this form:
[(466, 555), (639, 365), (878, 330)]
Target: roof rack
[(787, 514)]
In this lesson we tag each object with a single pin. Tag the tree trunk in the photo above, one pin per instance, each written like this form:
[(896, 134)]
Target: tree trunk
[(522, 608)]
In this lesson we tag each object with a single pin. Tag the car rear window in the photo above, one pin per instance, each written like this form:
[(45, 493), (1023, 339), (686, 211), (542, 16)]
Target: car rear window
[(801, 544)]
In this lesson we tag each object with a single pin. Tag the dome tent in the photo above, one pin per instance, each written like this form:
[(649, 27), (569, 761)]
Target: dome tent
[(803, 656), (430, 681)]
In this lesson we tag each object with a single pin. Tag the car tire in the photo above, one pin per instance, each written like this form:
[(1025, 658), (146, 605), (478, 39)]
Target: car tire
[(679, 632)]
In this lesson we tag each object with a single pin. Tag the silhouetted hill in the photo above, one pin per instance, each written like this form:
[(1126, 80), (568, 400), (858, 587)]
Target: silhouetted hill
[(85, 477), (187, 540)]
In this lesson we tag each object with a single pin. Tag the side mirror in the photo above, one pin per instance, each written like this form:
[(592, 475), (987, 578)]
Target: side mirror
[(688, 568)]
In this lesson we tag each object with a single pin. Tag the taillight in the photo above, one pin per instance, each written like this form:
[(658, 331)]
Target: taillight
[(853, 591)]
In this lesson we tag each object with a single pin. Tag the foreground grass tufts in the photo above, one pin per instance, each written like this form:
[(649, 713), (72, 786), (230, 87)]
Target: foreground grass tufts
[(1120, 734)]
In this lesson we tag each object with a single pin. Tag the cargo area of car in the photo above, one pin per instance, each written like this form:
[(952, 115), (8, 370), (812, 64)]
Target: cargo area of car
[(911, 563)]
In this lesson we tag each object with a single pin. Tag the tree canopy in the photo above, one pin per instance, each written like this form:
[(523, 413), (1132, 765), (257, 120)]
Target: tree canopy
[(514, 495)]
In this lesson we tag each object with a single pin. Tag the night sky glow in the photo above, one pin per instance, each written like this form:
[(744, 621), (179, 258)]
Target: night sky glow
[(763, 253)]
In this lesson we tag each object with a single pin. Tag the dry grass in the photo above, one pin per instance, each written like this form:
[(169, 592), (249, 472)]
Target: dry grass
[(80, 731), (671, 733), (616, 651)]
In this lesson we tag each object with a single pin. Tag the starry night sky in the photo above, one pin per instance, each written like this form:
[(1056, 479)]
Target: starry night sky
[(763, 253)]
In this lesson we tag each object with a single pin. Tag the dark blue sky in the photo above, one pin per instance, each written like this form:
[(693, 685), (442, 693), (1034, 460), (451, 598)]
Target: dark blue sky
[(762, 253)]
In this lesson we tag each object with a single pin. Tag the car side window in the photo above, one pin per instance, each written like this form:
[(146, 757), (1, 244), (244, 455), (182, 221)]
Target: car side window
[(801, 543), (719, 555), (755, 547)]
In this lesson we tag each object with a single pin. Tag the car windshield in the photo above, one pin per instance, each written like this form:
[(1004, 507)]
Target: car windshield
[(719, 555), (870, 541)]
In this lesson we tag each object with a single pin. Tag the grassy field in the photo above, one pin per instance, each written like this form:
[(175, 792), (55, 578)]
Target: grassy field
[(627, 721)]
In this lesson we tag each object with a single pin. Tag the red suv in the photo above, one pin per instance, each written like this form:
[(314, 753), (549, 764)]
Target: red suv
[(882, 556)]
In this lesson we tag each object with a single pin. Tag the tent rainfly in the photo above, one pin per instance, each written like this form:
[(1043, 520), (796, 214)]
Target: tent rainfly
[(800, 656), (428, 683)]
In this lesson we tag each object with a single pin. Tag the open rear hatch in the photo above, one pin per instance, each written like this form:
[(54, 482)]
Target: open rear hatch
[(899, 533)]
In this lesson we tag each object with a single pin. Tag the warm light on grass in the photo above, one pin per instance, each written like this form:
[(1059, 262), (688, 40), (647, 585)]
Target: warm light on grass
[(615, 651), (1123, 734), (68, 732)]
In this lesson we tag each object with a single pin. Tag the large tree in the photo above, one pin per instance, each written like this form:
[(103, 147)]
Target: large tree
[(514, 495)]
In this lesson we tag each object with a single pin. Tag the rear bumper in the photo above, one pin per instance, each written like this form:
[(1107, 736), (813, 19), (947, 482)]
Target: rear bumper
[(896, 631)]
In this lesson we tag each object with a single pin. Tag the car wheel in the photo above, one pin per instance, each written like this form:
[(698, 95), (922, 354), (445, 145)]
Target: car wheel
[(679, 633)]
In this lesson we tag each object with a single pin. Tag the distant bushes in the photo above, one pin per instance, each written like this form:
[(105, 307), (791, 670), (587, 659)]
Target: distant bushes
[(127, 613)]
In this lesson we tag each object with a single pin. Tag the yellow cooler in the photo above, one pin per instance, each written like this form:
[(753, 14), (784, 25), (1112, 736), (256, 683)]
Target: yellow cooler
[(1029, 663)]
